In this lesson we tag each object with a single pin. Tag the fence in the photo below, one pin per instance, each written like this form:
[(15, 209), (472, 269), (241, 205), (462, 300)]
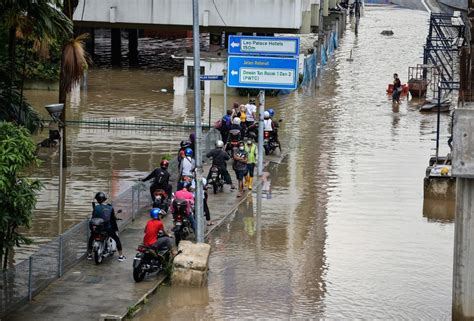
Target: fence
[(27, 278)]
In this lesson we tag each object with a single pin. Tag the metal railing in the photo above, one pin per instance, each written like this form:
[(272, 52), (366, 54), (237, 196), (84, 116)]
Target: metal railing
[(27, 278)]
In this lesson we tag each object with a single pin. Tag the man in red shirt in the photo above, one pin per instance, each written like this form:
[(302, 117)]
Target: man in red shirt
[(155, 235)]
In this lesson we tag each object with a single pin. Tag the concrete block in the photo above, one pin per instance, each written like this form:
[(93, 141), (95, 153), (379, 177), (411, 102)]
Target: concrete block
[(188, 277), (440, 188), (193, 256)]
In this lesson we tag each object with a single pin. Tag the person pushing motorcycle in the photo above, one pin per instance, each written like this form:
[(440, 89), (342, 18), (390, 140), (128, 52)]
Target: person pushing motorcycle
[(219, 158), (107, 213)]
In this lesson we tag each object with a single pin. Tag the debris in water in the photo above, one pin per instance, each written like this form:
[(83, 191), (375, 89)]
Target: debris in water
[(387, 33)]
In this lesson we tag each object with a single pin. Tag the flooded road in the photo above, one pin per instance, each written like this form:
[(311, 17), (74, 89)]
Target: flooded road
[(342, 232)]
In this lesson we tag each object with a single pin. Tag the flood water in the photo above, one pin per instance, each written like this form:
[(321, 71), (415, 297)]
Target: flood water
[(342, 232)]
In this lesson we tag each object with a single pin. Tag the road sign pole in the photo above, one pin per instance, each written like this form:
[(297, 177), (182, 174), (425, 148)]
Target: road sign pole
[(225, 91), (198, 126), (261, 98)]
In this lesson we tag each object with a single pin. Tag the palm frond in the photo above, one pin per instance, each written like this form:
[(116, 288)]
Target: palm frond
[(74, 62)]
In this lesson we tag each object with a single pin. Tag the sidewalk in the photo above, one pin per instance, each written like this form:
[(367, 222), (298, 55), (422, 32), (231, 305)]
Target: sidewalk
[(87, 290)]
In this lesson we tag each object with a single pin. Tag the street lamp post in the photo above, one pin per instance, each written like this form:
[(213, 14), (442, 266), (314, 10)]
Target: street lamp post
[(55, 111)]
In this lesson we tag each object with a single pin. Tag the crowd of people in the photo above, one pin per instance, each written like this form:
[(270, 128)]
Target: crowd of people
[(238, 129)]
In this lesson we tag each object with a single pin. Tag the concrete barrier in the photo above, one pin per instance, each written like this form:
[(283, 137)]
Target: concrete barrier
[(191, 265)]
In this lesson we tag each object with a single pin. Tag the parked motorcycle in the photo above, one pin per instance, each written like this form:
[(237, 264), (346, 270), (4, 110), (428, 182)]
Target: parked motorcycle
[(183, 229), (216, 179), (103, 245), (161, 201), (270, 143), (148, 260)]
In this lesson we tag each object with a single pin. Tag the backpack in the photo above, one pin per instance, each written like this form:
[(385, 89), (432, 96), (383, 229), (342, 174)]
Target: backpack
[(103, 211), (218, 124), (160, 178)]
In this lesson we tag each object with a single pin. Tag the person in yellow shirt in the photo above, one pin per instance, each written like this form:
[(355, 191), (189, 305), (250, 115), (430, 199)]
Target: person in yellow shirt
[(251, 150)]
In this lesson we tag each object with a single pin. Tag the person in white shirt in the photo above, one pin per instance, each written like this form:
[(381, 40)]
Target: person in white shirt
[(251, 112), (186, 168), (267, 122)]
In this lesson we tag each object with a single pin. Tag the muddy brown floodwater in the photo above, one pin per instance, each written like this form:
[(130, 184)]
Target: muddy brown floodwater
[(342, 232)]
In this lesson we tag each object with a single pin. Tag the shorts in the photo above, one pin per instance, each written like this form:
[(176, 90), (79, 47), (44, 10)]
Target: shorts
[(240, 174)]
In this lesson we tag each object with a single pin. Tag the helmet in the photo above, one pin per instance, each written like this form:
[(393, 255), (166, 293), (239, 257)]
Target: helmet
[(266, 115), (252, 101), (219, 144), (164, 164), (188, 152), (236, 121), (185, 143), (271, 112), (100, 197), (155, 213)]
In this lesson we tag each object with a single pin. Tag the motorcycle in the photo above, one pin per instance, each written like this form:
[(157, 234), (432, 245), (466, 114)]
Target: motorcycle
[(233, 144), (149, 260), (161, 200), (103, 245), (183, 229), (270, 143), (216, 179)]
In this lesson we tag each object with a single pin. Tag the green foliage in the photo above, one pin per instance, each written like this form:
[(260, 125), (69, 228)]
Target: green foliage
[(167, 156), (17, 194)]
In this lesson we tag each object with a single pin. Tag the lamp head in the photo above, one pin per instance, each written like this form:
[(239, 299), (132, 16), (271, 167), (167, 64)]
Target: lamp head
[(55, 110)]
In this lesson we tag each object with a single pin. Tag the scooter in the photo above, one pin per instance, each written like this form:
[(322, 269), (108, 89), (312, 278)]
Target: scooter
[(103, 245), (270, 144), (182, 229), (161, 201)]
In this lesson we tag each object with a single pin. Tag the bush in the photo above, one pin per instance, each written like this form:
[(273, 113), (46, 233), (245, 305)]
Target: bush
[(17, 193)]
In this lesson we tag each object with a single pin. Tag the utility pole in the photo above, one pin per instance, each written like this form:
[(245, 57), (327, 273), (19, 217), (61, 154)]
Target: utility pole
[(261, 109), (198, 198)]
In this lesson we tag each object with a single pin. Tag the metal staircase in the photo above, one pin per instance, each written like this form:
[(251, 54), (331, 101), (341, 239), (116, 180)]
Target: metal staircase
[(443, 43)]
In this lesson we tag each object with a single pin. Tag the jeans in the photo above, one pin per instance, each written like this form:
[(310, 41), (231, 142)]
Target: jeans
[(250, 169), (163, 243)]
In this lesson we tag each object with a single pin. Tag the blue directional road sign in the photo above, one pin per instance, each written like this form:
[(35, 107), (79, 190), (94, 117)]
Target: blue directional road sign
[(262, 72), (211, 77), (270, 46)]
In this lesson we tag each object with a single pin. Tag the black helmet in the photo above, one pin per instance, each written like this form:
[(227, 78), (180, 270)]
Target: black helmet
[(100, 197), (185, 144)]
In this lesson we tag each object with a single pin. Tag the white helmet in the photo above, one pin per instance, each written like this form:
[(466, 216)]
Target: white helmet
[(236, 121), (266, 115), (219, 144)]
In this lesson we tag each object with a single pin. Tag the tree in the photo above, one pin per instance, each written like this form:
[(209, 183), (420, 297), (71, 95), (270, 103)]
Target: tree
[(34, 20), (17, 193)]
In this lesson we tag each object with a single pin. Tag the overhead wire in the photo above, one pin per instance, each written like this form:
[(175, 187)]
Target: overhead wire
[(218, 12)]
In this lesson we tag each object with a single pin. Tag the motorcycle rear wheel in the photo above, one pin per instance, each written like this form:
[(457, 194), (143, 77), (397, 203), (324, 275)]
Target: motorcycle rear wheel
[(97, 257), (138, 272)]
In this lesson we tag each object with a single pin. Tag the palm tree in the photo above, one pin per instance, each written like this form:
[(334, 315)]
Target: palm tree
[(36, 20)]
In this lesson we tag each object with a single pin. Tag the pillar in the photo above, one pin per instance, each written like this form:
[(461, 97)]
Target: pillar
[(133, 47), (463, 170), (116, 47), (325, 7)]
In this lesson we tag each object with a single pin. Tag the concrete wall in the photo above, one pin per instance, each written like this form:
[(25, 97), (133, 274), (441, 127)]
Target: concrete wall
[(458, 4), (270, 14)]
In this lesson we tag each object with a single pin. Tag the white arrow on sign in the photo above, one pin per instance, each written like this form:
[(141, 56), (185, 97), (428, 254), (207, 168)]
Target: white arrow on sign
[(234, 44), (233, 72)]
